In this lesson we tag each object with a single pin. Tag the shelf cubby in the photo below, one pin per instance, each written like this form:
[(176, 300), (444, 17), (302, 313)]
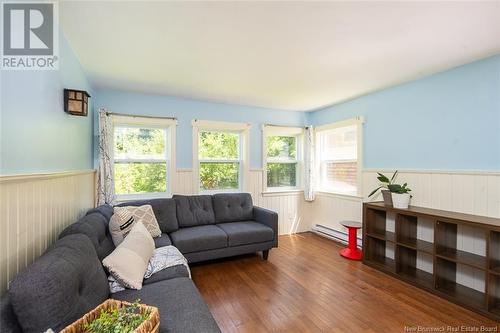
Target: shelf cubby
[(407, 234), (407, 267), (446, 282), (494, 252), (378, 226), (379, 253), (494, 294), (446, 246)]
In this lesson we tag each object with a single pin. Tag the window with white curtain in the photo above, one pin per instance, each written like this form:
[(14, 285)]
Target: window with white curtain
[(338, 157), (143, 152), (220, 156)]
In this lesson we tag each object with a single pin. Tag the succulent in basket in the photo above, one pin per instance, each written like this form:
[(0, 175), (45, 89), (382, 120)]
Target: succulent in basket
[(123, 320)]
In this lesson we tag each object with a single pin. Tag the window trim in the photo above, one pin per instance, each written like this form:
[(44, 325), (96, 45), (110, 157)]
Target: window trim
[(169, 125), (273, 130), (358, 121), (243, 129)]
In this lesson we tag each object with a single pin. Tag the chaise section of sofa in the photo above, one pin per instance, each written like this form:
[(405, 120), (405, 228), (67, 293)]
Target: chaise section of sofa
[(68, 280)]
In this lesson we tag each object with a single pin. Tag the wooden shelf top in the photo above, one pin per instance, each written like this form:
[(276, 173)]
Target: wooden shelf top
[(415, 210)]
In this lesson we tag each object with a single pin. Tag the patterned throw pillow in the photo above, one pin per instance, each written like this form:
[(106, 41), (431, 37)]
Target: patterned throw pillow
[(120, 224), (144, 214)]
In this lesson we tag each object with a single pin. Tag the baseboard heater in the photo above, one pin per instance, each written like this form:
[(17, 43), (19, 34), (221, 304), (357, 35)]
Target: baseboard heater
[(335, 235)]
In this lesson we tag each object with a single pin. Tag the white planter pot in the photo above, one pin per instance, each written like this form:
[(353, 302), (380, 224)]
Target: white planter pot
[(400, 200)]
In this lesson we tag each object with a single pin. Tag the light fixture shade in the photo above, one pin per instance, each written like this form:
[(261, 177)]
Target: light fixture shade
[(76, 102)]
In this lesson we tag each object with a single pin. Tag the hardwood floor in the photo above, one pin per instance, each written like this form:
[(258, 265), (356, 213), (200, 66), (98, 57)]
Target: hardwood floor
[(305, 286)]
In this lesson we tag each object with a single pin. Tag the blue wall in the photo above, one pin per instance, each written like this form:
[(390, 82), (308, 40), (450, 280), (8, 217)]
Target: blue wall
[(186, 110), (36, 134), (447, 121)]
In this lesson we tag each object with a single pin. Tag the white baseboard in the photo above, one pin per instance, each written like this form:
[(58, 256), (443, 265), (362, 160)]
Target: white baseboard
[(332, 234)]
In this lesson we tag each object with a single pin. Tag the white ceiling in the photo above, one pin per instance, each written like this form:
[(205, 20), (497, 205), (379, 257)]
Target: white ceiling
[(284, 55)]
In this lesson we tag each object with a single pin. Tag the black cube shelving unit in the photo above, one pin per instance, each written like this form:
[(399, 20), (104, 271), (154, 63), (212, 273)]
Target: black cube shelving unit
[(444, 259)]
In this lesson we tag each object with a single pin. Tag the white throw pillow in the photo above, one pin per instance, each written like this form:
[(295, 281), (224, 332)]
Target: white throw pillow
[(120, 225), (162, 258), (129, 261), (146, 215)]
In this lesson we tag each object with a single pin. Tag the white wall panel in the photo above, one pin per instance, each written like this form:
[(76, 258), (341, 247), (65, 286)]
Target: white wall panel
[(34, 209)]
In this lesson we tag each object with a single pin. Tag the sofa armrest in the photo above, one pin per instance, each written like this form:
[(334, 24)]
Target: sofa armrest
[(267, 217)]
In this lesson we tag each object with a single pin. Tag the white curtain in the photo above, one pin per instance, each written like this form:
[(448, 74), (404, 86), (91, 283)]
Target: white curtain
[(309, 164), (105, 182)]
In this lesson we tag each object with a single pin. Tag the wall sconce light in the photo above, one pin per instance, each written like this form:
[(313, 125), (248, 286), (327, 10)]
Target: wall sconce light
[(76, 102)]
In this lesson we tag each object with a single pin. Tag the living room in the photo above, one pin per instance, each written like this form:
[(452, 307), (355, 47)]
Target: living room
[(253, 166)]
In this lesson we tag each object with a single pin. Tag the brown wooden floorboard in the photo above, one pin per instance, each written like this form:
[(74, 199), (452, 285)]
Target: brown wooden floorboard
[(305, 286)]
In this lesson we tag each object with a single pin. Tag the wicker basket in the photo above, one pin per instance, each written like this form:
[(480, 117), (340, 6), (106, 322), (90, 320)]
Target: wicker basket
[(150, 325)]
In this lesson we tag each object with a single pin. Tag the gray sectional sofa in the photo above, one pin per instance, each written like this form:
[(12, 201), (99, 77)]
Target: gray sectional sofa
[(68, 280)]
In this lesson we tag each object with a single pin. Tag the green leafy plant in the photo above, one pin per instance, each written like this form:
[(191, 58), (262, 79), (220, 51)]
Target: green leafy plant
[(401, 189), (385, 182), (122, 320)]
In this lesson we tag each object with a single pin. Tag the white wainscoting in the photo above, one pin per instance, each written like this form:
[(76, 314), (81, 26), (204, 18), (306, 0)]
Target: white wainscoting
[(475, 193), (33, 211), (290, 206)]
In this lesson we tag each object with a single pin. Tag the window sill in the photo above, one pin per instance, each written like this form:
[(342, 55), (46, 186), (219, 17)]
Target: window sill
[(340, 195), (274, 193), (145, 196)]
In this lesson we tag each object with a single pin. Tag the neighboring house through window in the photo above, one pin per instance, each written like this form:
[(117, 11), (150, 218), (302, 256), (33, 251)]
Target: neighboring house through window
[(338, 157), (282, 155), (143, 156), (220, 156)]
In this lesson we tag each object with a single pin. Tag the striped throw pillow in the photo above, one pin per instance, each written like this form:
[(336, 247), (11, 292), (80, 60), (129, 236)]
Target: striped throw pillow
[(120, 225)]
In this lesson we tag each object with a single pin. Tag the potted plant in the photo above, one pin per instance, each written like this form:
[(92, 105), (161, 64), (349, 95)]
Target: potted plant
[(385, 182), (118, 316), (400, 195)]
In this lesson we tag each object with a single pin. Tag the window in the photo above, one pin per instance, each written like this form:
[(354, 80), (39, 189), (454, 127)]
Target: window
[(220, 156), (338, 151), (142, 156), (282, 157)]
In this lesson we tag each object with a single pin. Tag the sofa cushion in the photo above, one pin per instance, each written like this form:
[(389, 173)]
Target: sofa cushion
[(162, 241), (164, 209), (8, 319), (167, 274), (247, 232), (182, 310), (194, 210), (60, 286), (95, 227), (232, 207), (200, 238), (105, 210)]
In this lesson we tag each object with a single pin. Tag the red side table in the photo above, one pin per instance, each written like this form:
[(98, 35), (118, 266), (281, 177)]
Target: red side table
[(351, 251)]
